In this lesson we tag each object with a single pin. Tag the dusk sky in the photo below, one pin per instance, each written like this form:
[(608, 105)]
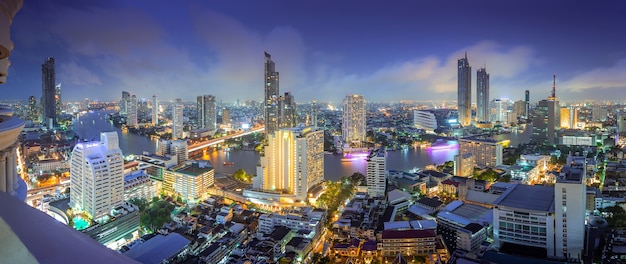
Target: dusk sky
[(384, 50)]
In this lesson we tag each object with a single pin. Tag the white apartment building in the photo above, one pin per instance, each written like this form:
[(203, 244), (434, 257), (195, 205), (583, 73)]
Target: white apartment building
[(97, 175), (310, 220), (376, 173), (190, 179), (138, 184), (177, 120), (425, 120)]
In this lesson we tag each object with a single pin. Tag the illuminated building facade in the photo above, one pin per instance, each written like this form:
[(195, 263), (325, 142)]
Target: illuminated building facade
[(271, 105), (131, 115), (155, 111), (569, 117), (293, 162), (97, 175), (464, 92), (190, 179), (353, 120), (486, 152)]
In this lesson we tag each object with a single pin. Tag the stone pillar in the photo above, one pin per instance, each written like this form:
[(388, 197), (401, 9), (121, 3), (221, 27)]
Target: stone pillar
[(3, 171)]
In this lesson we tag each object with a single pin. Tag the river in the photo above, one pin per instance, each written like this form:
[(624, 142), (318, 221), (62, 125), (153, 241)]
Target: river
[(90, 125)]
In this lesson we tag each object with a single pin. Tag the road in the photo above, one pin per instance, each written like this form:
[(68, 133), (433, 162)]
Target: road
[(199, 146)]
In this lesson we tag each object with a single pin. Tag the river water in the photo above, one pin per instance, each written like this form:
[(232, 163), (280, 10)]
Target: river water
[(90, 125)]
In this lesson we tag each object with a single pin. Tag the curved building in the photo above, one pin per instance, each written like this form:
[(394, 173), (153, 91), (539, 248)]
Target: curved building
[(425, 119)]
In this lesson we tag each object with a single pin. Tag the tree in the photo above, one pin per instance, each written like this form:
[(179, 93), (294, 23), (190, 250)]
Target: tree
[(242, 175)]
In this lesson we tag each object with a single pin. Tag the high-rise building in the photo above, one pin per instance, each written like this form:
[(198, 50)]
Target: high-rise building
[(33, 109), (621, 123), (464, 164), (482, 95), (132, 113), (48, 92), (314, 113), (271, 106), (376, 170), (486, 152), (570, 192), (599, 113), (498, 110), (464, 101), (226, 116), (206, 107), (155, 111), (353, 125), (519, 108), (189, 179), (293, 162), (547, 119), (288, 117), (124, 103), (142, 110), (97, 175), (177, 120), (58, 104)]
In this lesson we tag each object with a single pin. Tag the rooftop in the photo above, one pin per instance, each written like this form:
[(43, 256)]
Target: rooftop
[(158, 248), (194, 168), (529, 197), (398, 234), (430, 202)]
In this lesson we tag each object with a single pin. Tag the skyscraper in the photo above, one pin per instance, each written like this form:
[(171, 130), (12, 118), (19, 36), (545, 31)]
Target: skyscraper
[(293, 162), (288, 116), (155, 111), (547, 119), (97, 175), (314, 113), (207, 117), (124, 103), (33, 109), (376, 167), (464, 101), (131, 116), (271, 107), (353, 120), (527, 100), (177, 120), (482, 95), (48, 92), (226, 116)]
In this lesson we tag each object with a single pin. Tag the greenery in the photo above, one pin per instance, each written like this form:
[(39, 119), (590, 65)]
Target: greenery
[(491, 175), (153, 214), (242, 175), (617, 216), (337, 192)]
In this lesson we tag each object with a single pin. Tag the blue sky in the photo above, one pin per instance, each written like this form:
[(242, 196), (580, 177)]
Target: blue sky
[(385, 50)]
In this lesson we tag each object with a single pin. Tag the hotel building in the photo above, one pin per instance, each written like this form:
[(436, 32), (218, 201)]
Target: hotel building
[(376, 172), (486, 152), (353, 124), (190, 179), (97, 176)]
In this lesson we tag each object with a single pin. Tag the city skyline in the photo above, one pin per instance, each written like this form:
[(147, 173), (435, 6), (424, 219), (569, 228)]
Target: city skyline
[(407, 52)]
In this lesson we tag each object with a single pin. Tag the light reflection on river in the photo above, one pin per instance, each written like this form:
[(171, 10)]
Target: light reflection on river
[(334, 167)]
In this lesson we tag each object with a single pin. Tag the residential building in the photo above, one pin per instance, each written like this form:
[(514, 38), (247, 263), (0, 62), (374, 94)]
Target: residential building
[(132, 117), (464, 92), (173, 147), (207, 116), (527, 101), (486, 152), (33, 109), (190, 179), (293, 162), (457, 215), (408, 242), (97, 175), (177, 120), (288, 116), (353, 124), (124, 103), (570, 193), (48, 92), (271, 106), (470, 237), (482, 95), (433, 119), (376, 173), (139, 185), (464, 164), (155, 111)]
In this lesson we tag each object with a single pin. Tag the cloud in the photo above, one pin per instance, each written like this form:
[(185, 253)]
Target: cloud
[(599, 78), (72, 73)]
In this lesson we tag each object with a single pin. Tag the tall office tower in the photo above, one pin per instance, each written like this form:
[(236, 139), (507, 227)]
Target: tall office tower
[(353, 120), (270, 106), (131, 115), (486, 152), (226, 116), (33, 109), (482, 95), (124, 103), (177, 120), (155, 111), (206, 107), (142, 110), (293, 161), (547, 119), (58, 104), (464, 101), (97, 175), (570, 196), (527, 100), (376, 167), (48, 91), (288, 117)]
